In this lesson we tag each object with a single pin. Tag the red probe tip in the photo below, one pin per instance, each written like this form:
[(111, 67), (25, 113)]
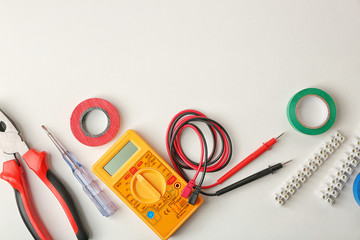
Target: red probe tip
[(277, 138)]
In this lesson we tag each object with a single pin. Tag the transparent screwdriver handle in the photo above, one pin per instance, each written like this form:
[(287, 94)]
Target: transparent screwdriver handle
[(92, 189)]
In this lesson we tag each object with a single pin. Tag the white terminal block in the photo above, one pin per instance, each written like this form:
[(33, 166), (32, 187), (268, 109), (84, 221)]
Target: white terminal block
[(353, 150), (297, 185), (303, 179), (331, 180), (305, 169), (357, 144), (326, 188), (337, 185), (319, 162), (342, 165), (356, 155), (277, 197), (314, 168), (283, 192), (294, 180), (349, 170), (352, 155), (334, 183), (349, 157), (316, 156), (329, 200), (329, 190), (326, 197), (344, 168), (340, 138), (288, 186), (281, 202), (292, 191), (323, 153), (327, 145), (333, 140), (286, 196), (343, 178), (311, 165), (299, 174), (334, 143), (334, 193), (357, 148), (351, 162), (338, 175), (308, 173), (341, 171), (328, 148)]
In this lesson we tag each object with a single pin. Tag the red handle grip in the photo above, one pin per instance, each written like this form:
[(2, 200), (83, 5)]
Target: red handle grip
[(37, 162), (14, 174), (266, 146)]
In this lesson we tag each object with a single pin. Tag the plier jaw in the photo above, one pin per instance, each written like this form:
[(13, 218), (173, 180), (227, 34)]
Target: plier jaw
[(11, 141)]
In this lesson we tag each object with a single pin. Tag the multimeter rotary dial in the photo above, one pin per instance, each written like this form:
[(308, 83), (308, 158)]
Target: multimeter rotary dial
[(148, 185)]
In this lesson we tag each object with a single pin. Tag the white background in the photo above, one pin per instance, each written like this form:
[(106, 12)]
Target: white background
[(239, 62)]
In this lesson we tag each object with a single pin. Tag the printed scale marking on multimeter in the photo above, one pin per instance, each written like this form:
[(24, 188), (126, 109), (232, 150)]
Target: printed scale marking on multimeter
[(146, 183)]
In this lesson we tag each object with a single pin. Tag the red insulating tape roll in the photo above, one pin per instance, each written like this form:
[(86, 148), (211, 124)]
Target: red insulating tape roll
[(78, 118)]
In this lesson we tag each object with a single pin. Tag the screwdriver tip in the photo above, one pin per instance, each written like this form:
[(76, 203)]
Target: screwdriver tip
[(45, 129), (277, 138), (286, 162)]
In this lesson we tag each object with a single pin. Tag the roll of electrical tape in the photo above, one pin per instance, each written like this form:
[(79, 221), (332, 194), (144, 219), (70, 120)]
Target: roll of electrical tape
[(77, 122), (293, 111), (356, 189)]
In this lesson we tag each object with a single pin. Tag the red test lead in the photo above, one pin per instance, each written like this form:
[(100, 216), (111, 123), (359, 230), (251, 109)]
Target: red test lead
[(212, 159), (265, 147)]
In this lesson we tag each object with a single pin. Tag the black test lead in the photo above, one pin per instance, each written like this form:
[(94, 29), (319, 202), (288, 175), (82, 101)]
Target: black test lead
[(211, 160), (255, 176)]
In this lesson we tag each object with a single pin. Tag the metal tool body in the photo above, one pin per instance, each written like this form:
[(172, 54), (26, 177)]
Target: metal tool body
[(13, 148)]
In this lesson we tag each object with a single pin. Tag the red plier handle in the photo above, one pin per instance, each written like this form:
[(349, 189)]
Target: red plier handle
[(37, 162), (14, 173)]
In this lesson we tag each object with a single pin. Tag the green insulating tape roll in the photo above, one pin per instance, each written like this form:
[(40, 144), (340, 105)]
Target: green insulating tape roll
[(292, 108)]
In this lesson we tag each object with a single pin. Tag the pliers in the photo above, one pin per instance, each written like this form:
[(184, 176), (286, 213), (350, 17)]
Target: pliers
[(12, 149)]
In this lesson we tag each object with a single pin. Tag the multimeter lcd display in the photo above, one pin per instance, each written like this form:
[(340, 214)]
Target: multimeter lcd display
[(120, 158)]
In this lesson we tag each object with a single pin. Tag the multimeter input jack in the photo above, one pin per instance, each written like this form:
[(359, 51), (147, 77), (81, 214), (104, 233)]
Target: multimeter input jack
[(177, 185)]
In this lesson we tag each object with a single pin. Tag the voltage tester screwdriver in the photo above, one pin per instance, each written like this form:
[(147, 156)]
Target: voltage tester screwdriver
[(91, 188)]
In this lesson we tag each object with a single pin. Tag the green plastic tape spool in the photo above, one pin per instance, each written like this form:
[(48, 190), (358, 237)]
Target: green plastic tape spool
[(292, 111)]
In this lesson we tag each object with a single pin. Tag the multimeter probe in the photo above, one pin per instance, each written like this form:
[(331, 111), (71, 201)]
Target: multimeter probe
[(213, 162)]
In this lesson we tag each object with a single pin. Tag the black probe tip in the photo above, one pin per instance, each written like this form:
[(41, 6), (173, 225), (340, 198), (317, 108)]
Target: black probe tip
[(284, 163)]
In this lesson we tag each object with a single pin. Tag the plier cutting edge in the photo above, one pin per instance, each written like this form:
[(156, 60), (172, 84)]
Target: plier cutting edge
[(12, 149)]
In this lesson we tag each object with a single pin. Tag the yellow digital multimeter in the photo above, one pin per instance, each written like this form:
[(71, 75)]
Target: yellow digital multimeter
[(146, 183)]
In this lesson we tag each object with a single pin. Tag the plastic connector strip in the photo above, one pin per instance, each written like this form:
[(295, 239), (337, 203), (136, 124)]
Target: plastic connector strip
[(339, 175), (309, 167)]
